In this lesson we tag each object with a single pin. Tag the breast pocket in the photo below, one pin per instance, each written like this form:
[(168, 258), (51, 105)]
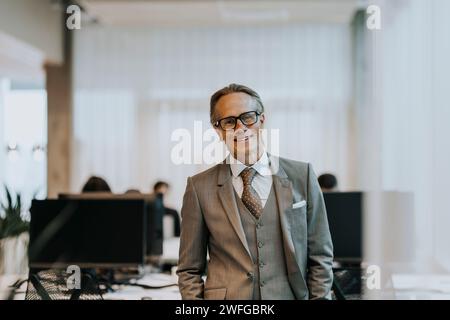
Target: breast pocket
[(298, 225), (215, 294), (299, 204)]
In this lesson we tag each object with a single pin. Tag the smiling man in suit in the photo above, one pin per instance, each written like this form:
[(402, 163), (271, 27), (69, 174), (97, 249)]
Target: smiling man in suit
[(261, 218)]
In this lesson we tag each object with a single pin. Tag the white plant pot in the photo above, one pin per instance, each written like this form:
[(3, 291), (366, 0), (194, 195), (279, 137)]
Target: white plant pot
[(14, 255)]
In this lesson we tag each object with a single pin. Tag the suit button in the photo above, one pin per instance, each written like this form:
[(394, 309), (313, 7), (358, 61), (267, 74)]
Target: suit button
[(260, 244), (261, 264), (250, 275), (262, 284)]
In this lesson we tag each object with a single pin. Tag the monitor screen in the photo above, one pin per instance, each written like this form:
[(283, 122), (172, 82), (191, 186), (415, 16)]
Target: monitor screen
[(154, 208), (344, 212), (87, 233)]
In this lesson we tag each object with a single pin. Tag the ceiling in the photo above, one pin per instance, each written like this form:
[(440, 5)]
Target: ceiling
[(218, 12), (19, 60)]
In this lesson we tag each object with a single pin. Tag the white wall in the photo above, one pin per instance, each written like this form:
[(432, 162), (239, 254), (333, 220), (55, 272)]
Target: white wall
[(4, 85), (438, 94), (404, 128), (23, 122)]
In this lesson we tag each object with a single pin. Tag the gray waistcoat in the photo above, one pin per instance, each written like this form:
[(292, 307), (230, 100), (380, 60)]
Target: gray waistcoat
[(265, 242)]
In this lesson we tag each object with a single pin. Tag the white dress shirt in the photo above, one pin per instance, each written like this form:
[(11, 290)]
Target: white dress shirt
[(262, 182)]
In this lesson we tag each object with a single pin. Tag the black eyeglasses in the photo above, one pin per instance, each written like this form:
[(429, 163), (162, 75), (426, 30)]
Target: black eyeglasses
[(247, 118)]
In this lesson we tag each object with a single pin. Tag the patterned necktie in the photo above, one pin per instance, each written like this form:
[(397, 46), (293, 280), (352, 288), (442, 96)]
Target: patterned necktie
[(249, 196)]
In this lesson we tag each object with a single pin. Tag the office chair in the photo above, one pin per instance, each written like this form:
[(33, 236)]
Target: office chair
[(347, 284), (51, 284)]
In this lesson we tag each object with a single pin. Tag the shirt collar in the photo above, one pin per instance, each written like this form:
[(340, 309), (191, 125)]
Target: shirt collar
[(262, 166)]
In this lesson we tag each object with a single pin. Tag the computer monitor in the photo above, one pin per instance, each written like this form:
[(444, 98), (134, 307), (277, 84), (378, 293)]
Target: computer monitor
[(87, 233), (155, 231), (344, 212), (154, 210)]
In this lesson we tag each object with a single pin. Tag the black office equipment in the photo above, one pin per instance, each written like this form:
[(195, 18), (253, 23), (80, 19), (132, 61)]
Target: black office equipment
[(51, 284), (344, 212), (87, 233), (154, 213), (345, 219), (155, 231)]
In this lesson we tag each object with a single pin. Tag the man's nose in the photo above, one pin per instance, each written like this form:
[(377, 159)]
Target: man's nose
[(240, 125)]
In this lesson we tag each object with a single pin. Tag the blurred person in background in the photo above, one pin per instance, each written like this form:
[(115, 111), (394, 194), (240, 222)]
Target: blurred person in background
[(96, 184), (160, 189), (328, 182)]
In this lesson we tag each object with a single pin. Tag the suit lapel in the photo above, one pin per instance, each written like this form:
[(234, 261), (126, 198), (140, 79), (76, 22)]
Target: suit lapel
[(228, 200), (283, 191)]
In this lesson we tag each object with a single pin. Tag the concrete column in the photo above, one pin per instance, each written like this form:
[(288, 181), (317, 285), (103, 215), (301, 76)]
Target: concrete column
[(59, 113)]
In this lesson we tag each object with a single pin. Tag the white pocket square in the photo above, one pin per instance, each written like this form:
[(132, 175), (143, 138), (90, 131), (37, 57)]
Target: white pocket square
[(299, 204)]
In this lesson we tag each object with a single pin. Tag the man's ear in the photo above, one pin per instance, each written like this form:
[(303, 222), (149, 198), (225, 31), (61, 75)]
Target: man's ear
[(262, 118)]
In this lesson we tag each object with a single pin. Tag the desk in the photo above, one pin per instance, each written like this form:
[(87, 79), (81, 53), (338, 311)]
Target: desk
[(122, 292), (171, 247), (421, 286), (126, 292)]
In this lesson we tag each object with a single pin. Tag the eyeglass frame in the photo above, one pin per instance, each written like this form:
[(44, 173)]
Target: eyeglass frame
[(217, 123)]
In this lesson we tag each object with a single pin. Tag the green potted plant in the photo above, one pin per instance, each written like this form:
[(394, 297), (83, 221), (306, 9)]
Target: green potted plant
[(13, 236)]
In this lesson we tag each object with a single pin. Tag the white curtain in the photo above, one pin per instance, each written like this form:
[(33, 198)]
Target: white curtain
[(134, 86), (403, 121), (3, 89)]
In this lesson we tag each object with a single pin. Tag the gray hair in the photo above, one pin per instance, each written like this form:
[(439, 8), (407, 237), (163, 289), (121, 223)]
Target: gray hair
[(233, 88)]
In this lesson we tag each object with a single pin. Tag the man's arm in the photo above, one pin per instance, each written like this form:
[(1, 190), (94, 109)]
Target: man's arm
[(320, 246), (193, 246)]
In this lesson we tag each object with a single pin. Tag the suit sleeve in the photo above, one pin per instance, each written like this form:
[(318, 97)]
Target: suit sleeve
[(193, 246), (320, 246)]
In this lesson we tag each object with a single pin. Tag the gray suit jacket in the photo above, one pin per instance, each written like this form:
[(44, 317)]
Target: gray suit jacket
[(211, 223)]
